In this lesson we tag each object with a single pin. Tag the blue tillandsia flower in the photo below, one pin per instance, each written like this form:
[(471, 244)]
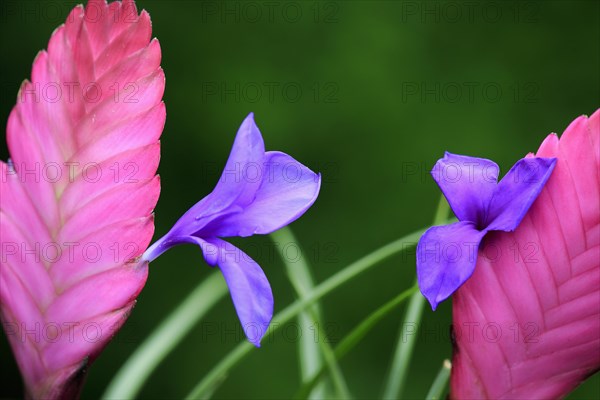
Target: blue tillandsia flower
[(446, 255), (258, 193)]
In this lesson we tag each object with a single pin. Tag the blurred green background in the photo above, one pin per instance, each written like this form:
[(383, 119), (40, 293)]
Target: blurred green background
[(370, 93)]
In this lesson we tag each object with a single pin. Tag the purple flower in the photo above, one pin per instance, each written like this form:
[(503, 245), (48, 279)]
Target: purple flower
[(446, 255), (258, 193)]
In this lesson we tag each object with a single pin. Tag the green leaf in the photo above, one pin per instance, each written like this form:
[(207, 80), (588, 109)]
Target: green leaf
[(139, 366), (311, 352), (355, 336), (405, 344), (439, 384), (292, 311)]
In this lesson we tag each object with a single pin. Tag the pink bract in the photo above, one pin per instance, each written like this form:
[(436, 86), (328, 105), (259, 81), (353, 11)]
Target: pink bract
[(79, 191), (527, 322)]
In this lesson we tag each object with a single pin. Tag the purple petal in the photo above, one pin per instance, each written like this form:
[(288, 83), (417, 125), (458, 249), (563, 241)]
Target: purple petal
[(517, 191), (446, 257), (287, 189), (246, 156), (467, 183), (237, 183), (258, 193), (248, 285)]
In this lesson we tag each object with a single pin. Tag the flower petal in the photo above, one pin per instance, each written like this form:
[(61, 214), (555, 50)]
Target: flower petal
[(234, 186), (248, 285), (468, 184), (287, 189), (517, 191), (446, 257)]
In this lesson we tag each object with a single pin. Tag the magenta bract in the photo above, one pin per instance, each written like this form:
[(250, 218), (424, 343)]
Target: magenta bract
[(77, 196)]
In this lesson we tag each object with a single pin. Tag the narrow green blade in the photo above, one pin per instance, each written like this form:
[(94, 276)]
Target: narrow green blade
[(356, 335), (311, 351), (292, 311), (439, 384), (406, 343), (137, 369)]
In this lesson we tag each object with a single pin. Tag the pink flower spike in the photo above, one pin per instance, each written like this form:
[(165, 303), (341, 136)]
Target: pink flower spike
[(78, 193), (526, 325)]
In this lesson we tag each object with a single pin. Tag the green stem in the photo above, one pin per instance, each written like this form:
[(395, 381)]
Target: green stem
[(300, 305), (299, 275), (406, 343), (139, 366), (355, 336), (439, 384)]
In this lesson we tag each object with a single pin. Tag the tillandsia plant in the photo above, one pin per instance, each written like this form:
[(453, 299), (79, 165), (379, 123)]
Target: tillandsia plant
[(523, 263), (78, 194)]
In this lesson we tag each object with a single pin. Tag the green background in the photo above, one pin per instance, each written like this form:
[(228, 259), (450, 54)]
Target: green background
[(378, 106)]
